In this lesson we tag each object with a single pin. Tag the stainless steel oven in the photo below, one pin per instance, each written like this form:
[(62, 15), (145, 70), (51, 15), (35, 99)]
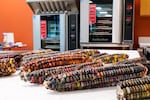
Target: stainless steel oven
[(106, 21), (55, 24)]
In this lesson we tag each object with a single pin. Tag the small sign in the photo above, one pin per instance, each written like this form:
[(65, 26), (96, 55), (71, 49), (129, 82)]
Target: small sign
[(43, 29), (92, 13)]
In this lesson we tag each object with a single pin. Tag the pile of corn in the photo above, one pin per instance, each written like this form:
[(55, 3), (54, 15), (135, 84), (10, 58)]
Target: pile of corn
[(55, 59), (80, 69)]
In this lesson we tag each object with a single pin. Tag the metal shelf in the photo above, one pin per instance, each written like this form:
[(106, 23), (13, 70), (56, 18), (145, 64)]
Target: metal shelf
[(101, 33), (52, 47), (104, 21), (103, 28)]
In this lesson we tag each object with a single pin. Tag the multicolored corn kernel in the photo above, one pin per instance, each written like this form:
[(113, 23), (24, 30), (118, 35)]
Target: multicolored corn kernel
[(134, 89), (42, 74), (135, 60), (29, 58), (94, 77), (89, 52), (53, 61), (16, 55), (113, 58), (142, 60), (7, 66), (35, 52)]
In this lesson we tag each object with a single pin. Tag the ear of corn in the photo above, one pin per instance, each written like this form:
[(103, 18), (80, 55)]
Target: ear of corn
[(114, 58), (54, 61), (7, 66), (89, 52), (39, 76), (57, 59), (135, 60), (33, 57), (38, 55), (94, 77), (134, 89), (36, 52), (16, 56), (9, 62)]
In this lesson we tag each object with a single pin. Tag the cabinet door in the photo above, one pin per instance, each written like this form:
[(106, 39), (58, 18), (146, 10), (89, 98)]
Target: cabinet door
[(145, 8)]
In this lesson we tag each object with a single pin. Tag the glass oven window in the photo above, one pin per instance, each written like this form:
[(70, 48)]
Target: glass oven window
[(53, 29), (52, 40), (101, 29)]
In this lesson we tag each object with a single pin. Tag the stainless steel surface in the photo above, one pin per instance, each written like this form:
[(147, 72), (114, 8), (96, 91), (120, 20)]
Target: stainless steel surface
[(35, 7), (43, 6), (52, 6), (84, 21), (36, 32), (117, 21), (57, 6), (48, 6), (62, 32), (66, 32), (61, 5)]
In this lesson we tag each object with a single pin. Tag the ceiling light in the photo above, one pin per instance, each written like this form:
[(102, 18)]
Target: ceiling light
[(98, 8), (104, 12), (90, 1)]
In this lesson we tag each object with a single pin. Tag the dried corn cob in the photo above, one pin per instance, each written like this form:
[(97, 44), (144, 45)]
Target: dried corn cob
[(135, 60), (54, 61), (7, 66), (28, 58), (16, 56), (134, 89), (32, 57), (90, 84), (89, 52), (114, 58), (39, 76), (56, 53), (39, 54), (94, 77), (36, 52)]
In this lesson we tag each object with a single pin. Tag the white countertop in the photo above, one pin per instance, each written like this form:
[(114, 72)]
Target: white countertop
[(13, 88), (103, 45)]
